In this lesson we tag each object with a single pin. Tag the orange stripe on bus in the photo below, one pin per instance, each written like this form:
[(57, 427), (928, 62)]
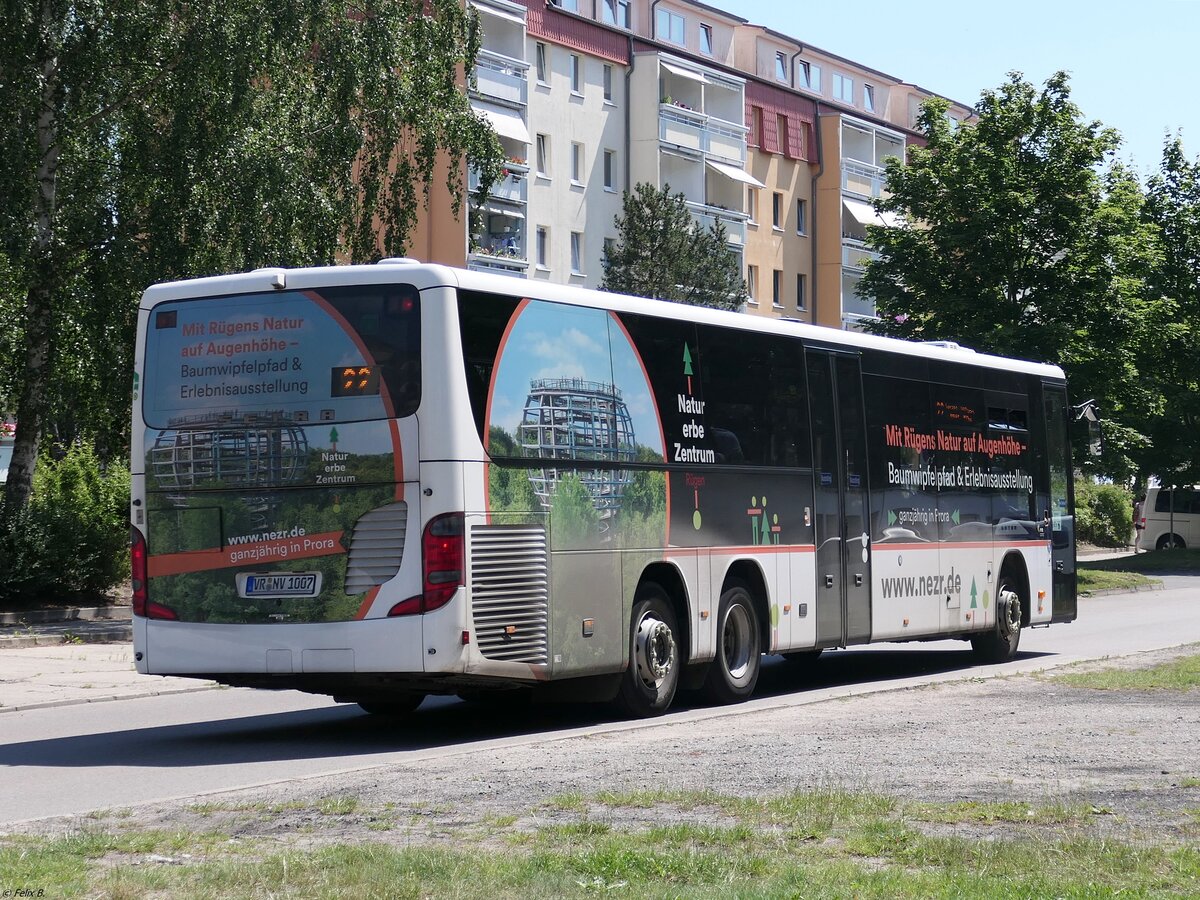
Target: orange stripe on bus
[(249, 556)]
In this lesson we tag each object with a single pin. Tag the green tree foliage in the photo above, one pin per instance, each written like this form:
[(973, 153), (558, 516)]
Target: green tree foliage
[(72, 538), (148, 141), (1019, 245), (574, 522), (1103, 513), (1173, 208), (662, 252)]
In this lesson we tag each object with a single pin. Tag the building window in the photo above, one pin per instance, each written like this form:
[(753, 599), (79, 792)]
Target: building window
[(812, 75), (540, 64), (781, 128), (706, 44), (777, 288), (801, 299), (543, 155), (668, 26), (868, 98), (569, 5), (843, 88), (752, 284), (951, 121), (543, 247), (752, 205), (777, 211), (576, 253), (576, 163), (781, 67), (801, 214), (610, 248), (616, 12), (756, 128), (803, 74), (576, 75), (610, 170), (608, 83)]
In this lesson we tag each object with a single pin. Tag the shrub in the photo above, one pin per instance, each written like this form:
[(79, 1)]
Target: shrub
[(73, 537), (1103, 514)]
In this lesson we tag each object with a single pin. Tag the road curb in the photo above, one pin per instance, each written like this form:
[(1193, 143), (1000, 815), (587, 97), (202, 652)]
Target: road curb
[(118, 634), (66, 614), (48, 704), (1108, 592)]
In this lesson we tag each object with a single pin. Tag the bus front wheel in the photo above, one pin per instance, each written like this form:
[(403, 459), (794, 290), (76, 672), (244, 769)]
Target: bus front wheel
[(734, 672), (1000, 644), (648, 684)]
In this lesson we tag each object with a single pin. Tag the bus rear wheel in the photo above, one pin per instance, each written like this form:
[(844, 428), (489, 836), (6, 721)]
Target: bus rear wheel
[(1000, 644), (649, 683), (734, 672)]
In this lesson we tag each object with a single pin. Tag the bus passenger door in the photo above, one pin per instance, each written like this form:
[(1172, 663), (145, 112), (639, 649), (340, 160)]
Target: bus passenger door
[(843, 589), (1062, 521)]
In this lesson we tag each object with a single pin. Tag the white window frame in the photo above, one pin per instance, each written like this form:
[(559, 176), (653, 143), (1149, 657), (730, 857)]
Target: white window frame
[(801, 214), (843, 85), (542, 156), (576, 252), (576, 75), (801, 290), (706, 33), (542, 247), (777, 288), (568, 5), (671, 20), (777, 213), (752, 205), (752, 285), (869, 97), (576, 163), (616, 12), (608, 83), (542, 63), (610, 171), (781, 73), (814, 77)]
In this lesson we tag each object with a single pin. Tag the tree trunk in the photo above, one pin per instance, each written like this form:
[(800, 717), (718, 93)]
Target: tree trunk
[(39, 303)]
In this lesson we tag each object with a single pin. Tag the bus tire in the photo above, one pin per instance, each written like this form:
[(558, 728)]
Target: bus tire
[(397, 705), (649, 682), (1000, 644), (734, 671)]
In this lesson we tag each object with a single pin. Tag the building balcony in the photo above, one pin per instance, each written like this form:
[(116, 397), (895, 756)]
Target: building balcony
[(497, 263), (512, 187), (734, 221), (856, 254), (688, 129), (501, 78), (863, 180)]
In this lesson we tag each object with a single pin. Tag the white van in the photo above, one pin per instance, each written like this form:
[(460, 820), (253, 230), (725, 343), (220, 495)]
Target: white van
[(1169, 512)]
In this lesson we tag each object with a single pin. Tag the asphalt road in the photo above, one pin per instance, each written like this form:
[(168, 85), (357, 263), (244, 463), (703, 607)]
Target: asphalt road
[(72, 760)]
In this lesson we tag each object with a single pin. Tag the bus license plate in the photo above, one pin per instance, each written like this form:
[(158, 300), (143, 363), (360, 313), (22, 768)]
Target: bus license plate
[(278, 584)]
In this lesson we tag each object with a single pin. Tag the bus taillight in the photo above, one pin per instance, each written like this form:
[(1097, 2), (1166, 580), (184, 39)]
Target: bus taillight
[(139, 575), (443, 555), (137, 561)]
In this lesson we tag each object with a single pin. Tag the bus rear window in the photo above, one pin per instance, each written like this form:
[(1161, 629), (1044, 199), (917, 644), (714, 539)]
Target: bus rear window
[(335, 355)]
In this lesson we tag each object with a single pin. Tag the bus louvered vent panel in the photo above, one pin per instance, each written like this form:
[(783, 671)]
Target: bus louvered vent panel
[(377, 548), (509, 592)]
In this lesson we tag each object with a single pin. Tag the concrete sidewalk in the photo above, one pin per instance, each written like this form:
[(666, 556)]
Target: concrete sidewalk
[(74, 655)]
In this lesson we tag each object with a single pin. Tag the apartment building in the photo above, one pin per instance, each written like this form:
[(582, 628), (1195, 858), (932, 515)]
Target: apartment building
[(781, 142)]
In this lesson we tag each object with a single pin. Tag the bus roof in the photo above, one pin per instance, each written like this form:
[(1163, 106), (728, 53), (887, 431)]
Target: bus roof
[(425, 276)]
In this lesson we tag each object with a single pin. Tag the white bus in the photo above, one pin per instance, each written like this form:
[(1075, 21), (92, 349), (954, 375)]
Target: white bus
[(383, 482)]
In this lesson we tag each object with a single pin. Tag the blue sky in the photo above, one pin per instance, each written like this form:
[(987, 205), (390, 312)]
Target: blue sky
[(1133, 66), (552, 341)]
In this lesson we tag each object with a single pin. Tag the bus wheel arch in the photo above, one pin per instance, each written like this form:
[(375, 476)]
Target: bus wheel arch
[(741, 635), (657, 648), (1000, 642), (1170, 541)]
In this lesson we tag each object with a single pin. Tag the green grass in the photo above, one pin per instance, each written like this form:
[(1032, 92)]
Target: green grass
[(1178, 675), (1092, 580), (826, 843)]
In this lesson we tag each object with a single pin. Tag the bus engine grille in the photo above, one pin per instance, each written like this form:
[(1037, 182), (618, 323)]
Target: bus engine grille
[(377, 547), (509, 592)]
